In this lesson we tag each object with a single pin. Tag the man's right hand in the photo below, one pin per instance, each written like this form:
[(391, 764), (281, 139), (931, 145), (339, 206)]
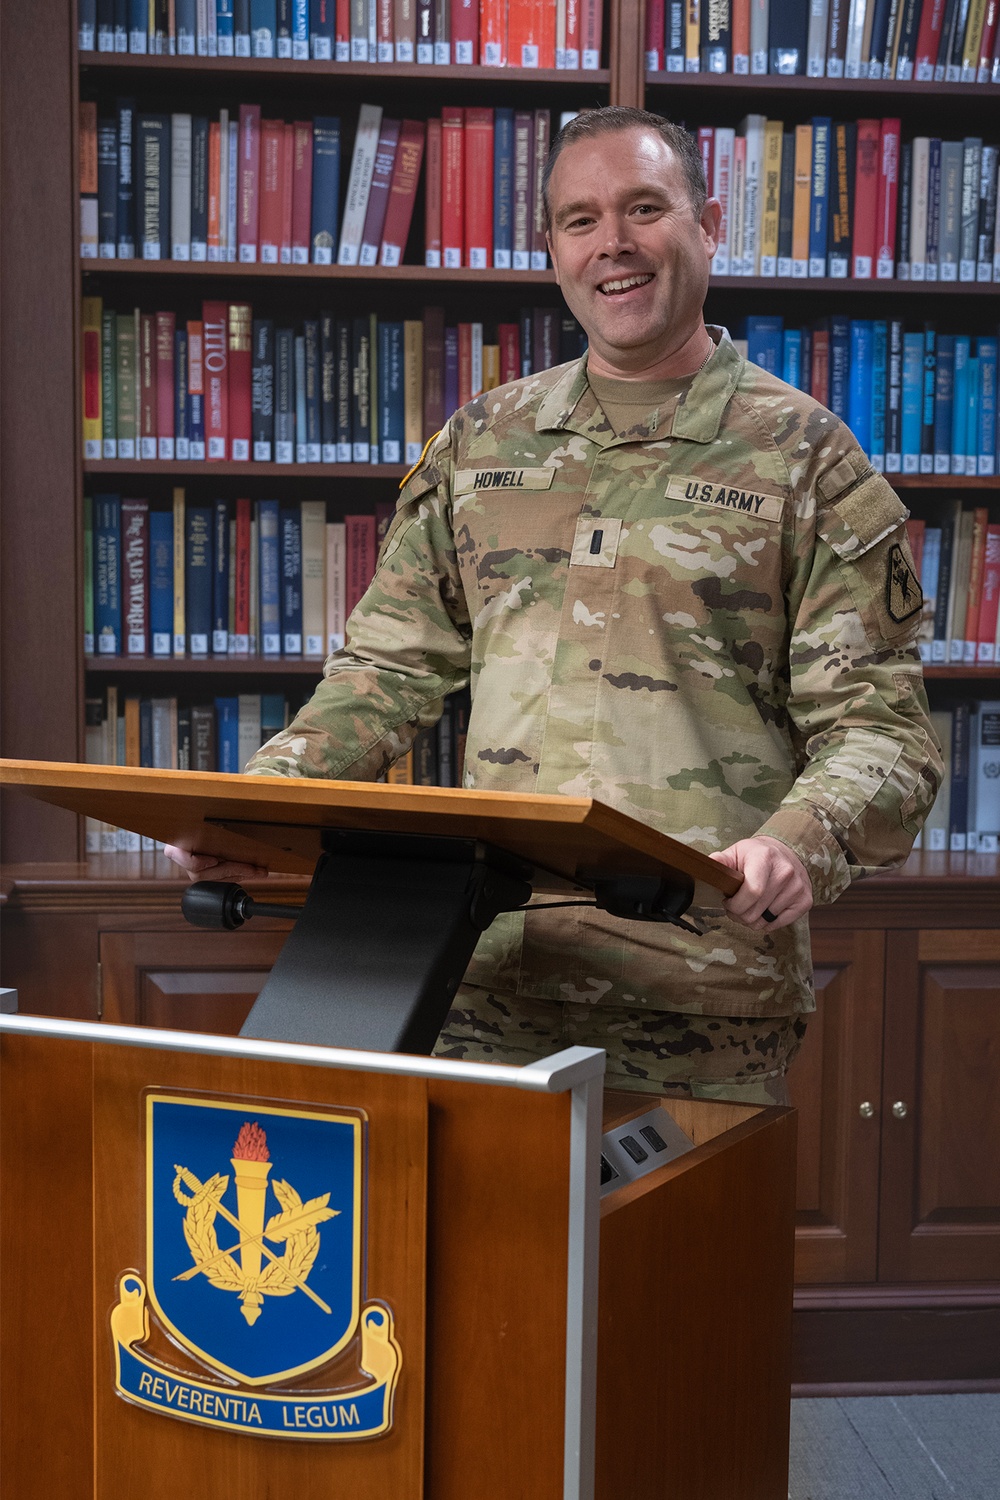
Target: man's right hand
[(210, 867)]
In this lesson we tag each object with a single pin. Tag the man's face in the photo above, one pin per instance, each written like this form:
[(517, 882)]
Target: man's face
[(630, 254)]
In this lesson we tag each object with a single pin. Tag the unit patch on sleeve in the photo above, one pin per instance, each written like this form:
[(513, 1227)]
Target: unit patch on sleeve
[(750, 503), (903, 596)]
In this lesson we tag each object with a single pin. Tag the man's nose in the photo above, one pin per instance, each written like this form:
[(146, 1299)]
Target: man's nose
[(618, 240)]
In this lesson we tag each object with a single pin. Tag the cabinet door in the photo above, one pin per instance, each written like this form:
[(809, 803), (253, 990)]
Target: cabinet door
[(188, 981), (940, 1212), (834, 1084)]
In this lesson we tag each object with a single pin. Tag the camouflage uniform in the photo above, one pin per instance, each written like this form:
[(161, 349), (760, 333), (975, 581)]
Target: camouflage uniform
[(707, 622)]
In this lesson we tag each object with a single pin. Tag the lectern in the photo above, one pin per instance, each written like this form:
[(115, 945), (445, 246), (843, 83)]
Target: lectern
[(266, 1267)]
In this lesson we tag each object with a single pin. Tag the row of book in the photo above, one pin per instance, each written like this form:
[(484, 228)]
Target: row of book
[(965, 818), (958, 563), (953, 41), (496, 33), (221, 734), (228, 386), (848, 198), (241, 188), (252, 578), (918, 403)]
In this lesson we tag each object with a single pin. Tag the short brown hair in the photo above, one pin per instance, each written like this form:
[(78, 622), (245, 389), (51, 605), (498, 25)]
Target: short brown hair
[(616, 117)]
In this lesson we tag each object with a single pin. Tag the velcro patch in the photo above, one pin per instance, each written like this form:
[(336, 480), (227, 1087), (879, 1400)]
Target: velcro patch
[(903, 596), (495, 478), (595, 544), (750, 503)]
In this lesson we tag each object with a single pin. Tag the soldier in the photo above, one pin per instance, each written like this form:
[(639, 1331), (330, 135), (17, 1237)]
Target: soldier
[(675, 584)]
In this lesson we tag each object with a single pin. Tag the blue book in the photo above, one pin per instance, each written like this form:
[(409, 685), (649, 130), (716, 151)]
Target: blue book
[(225, 23), (819, 195), (390, 392), (262, 390), (227, 735), (971, 414), (121, 25), (241, 28), (86, 22), (272, 715), (284, 396), (328, 387), (913, 382), (321, 30), (220, 579), (764, 340), (161, 581), (840, 367), (291, 580), (269, 544), (300, 30), (107, 188), (300, 399), (927, 400), (944, 402), (126, 180), (962, 352), (986, 455), (138, 26), (182, 436), (263, 27), (199, 187), (185, 27), (859, 399), (108, 574), (451, 369), (311, 372), (325, 224), (791, 363), (195, 420), (880, 368), (930, 566), (503, 188), (198, 577)]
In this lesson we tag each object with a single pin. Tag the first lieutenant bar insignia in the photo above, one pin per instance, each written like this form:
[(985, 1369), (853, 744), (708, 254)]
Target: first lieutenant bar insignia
[(254, 1244)]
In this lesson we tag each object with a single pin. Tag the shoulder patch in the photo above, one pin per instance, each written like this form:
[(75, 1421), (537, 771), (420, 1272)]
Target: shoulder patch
[(903, 596), (410, 472)]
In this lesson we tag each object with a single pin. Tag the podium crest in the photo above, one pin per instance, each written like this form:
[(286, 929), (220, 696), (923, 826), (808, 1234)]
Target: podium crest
[(253, 1261)]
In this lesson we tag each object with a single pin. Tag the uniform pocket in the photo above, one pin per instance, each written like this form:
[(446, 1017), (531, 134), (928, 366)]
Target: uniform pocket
[(867, 531)]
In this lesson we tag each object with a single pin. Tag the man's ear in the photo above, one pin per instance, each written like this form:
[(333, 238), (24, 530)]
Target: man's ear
[(552, 258), (711, 223)]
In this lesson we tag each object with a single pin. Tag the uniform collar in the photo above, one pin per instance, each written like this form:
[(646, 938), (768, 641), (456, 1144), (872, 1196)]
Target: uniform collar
[(571, 405)]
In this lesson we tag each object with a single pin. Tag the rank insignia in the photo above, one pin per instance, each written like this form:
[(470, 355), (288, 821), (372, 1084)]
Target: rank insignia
[(902, 590), (253, 1266)]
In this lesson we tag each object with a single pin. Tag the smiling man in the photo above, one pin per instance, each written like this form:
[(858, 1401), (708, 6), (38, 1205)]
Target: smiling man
[(674, 584)]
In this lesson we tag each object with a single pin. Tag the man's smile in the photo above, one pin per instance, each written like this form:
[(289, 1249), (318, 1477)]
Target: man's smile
[(614, 288)]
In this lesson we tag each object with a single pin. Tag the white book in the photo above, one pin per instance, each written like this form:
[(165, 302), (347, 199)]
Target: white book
[(314, 578), (753, 127), (180, 187), (984, 774), (760, 21), (918, 208), (816, 39), (477, 359), (335, 584), (722, 183), (232, 189), (220, 253), (855, 37), (359, 184), (164, 726), (249, 736)]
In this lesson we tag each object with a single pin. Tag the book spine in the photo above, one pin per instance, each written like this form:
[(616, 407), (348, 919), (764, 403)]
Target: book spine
[(92, 384), (147, 385), (912, 400), (291, 580), (284, 396), (716, 36), (240, 379), (523, 180), (107, 188), (269, 541), (413, 395), (344, 390), (452, 185), (165, 445), (335, 584), (359, 183), (879, 361), (360, 546), (312, 522), (866, 195), (819, 196), (240, 563), (842, 198), (360, 391), (272, 144), (478, 188), (327, 388), (220, 579), (539, 254), (196, 390), (972, 155), (180, 187), (944, 393), (885, 204), (135, 575), (179, 519), (655, 35), (378, 195), (432, 196), (89, 234), (109, 391), (927, 400), (161, 582), (198, 578), (310, 329), (402, 193), (987, 221), (722, 176), (248, 221), (262, 390), (302, 168)]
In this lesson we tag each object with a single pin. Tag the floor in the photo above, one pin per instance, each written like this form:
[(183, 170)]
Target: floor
[(895, 1448)]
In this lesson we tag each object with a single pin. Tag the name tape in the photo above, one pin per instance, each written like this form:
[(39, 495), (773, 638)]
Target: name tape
[(727, 497), (503, 479)]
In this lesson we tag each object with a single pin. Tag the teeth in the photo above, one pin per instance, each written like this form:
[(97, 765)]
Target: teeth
[(623, 286)]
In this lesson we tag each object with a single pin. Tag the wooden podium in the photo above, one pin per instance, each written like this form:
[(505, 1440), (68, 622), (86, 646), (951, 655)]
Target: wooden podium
[(506, 1301)]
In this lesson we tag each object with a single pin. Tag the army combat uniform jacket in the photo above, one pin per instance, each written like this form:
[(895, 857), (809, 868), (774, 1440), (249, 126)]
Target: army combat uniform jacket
[(707, 622)]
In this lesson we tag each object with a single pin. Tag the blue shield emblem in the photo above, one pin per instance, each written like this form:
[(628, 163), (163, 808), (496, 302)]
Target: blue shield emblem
[(254, 1232)]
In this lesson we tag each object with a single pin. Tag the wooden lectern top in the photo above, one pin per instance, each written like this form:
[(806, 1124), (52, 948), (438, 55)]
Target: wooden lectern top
[(278, 822)]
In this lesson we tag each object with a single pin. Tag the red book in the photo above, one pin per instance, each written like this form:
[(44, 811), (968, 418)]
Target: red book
[(885, 202), (656, 32), (302, 166), (248, 184), (433, 371), (479, 188), (432, 196), (384, 512), (915, 536), (342, 31), (287, 168), (866, 178), (989, 604), (241, 566), (928, 40), (539, 249), (360, 549), (214, 180), (465, 32), (545, 33), (452, 184), (147, 386), (572, 55), (706, 145), (402, 192), (741, 36), (406, 30), (493, 33), (240, 379), (590, 33), (215, 345), (988, 41), (820, 383), (378, 192), (464, 363), (385, 32), (272, 189), (196, 382), (135, 575), (509, 335), (165, 323)]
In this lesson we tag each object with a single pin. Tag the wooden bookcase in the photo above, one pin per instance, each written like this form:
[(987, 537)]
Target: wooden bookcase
[(899, 1236)]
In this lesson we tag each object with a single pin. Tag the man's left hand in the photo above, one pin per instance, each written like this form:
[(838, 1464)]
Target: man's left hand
[(774, 880)]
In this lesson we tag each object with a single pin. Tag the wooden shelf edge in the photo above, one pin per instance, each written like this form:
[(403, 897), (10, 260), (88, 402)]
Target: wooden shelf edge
[(183, 468), (206, 269), (99, 62), (853, 286), (756, 83), (208, 666)]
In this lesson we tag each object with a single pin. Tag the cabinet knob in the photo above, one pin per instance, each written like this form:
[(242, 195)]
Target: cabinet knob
[(866, 1110), (899, 1110)]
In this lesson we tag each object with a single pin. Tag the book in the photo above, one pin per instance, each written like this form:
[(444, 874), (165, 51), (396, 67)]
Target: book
[(478, 188), (198, 578), (240, 381), (215, 326), (221, 571), (402, 193), (291, 579), (359, 183), (452, 185), (324, 187), (270, 572), (134, 520), (378, 194)]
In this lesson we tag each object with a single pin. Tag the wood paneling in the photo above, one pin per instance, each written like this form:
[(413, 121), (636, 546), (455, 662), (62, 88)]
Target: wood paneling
[(188, 981), (51, 958)]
